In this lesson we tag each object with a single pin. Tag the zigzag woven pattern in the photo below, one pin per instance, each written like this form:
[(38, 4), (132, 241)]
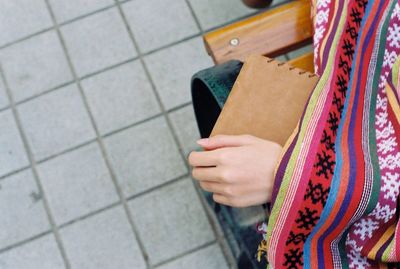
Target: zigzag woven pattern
[(336, 193)]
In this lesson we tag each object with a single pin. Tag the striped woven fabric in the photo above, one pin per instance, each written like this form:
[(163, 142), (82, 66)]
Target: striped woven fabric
[(336, 193)]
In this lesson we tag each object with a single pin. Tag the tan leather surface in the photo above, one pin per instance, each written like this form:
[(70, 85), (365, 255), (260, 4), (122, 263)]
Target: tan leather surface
[(266, 101)]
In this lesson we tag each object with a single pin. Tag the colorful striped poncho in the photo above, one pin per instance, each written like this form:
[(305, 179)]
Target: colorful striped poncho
[(336, 192)]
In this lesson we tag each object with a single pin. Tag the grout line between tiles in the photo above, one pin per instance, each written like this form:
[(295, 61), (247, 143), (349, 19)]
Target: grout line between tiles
[(162, 185), (99, 140), (190, 251), (19, 40), (256, 12), (95, 139), (34, 171), (77, 18), (131, 125), (98, 211), (74, 81), (90, 14), (171, 110), (194, 16), (231, 21), (53, 28), (25, 100), (81, 145), (2, 177), (99, 71), (125, 1), (147, 72), (88, 215), (165, 112), (142, 193), (25, 241), (212, 219), (5, 108), (172, 44), (166, 115), (14, 172)]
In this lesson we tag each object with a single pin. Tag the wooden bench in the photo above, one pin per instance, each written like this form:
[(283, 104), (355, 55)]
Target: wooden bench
[(270, 33)]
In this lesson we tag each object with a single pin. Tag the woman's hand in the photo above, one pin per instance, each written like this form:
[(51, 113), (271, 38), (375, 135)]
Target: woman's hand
[(237, 169)]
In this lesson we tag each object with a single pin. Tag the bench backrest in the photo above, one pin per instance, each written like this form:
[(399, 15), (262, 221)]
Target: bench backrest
[(271, 33)]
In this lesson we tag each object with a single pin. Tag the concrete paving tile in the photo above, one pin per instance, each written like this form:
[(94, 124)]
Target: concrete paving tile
[(185, 126), (4, 101), (23, 214), (212, 13), (172, 69), (41, 253), (77, 183), (98, 41), (35, 65), (120, 97), (69, 9), (104, 241), (156, 23), (210, 257), (20, 18), (171, 221), (56, 122), (144, 156), (12, 153)]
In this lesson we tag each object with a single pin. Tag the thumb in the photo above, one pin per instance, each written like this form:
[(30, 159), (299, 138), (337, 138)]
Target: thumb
[(220, 141)]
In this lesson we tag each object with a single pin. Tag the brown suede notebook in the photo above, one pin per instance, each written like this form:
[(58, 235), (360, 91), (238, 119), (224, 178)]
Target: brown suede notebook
[(267, 100)]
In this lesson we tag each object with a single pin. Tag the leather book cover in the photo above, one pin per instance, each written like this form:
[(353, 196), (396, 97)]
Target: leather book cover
[(267, 100)]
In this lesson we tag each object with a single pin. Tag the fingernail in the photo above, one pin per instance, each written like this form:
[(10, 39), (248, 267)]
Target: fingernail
[(202, 141)]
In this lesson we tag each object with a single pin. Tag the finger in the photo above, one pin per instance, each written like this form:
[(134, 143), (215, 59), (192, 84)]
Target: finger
[(203, 158), (231, 201), (206, 174), (222, 199), (220, 141), (211, 186)]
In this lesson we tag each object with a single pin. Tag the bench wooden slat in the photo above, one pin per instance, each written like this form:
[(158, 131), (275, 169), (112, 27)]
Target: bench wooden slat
[(270, 33), (305, 62)]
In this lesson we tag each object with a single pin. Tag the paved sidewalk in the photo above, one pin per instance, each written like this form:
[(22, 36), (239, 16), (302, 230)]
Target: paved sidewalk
[(96, 123)]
